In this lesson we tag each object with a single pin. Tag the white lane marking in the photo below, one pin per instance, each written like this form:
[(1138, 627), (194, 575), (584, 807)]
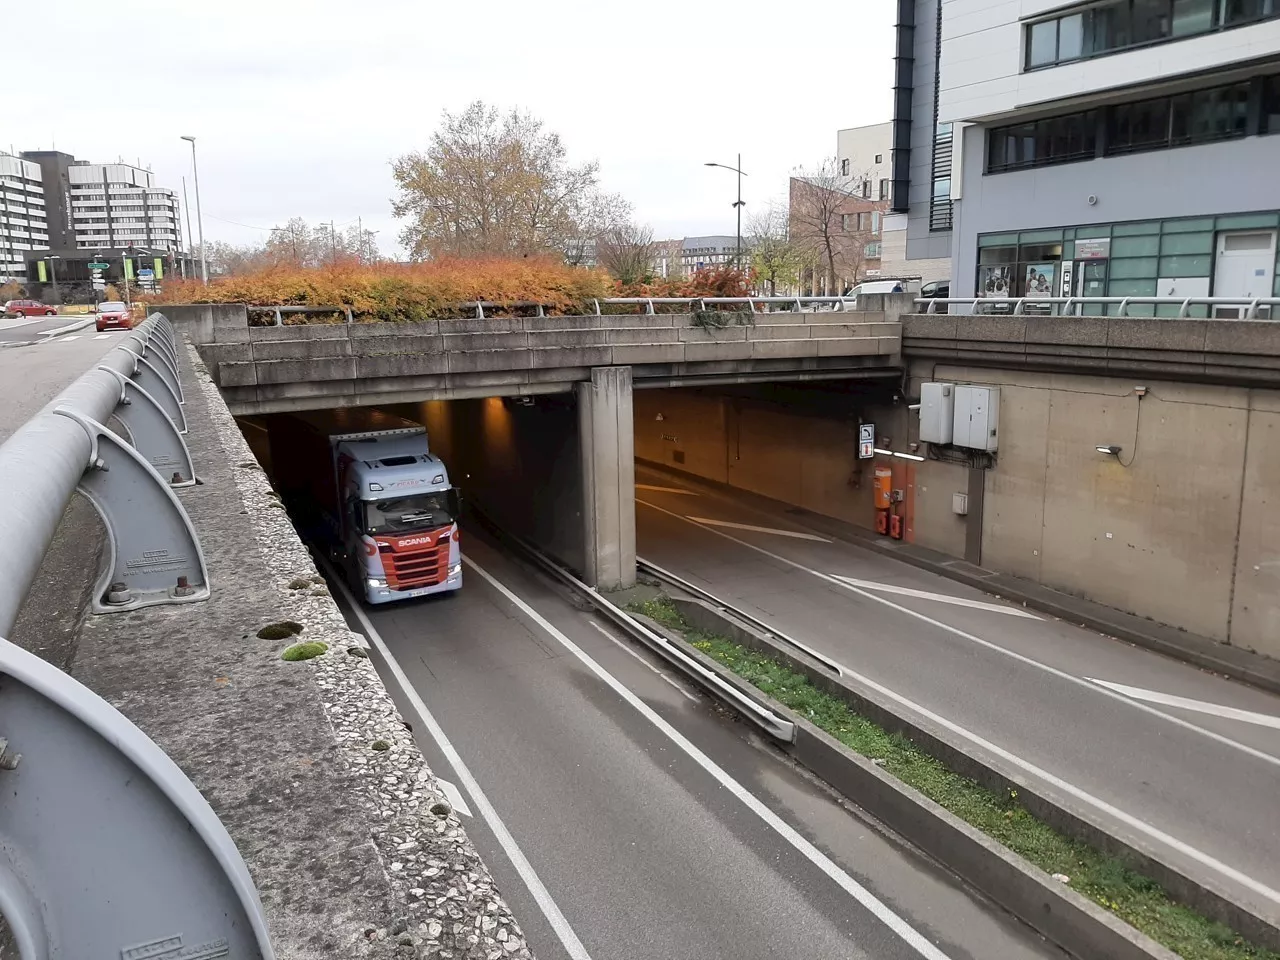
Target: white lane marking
[(572, 945), (14, 324), (1154, 832), (747, 526), (74, 336), (656, 489), (623, 645), (940, 597), (102, 336), (1186, 703), (454, 796), (815, 856), (1021, 658)]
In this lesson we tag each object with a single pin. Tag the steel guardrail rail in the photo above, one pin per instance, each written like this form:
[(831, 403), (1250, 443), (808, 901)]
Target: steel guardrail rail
[(793, 304), (758, 713), (694, 590), (1068, 305)]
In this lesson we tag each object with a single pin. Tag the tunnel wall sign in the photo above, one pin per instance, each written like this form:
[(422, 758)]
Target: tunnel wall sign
[(866, 441)]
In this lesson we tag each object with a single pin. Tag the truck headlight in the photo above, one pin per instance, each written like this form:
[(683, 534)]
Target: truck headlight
[(377, 581), (455, 570)]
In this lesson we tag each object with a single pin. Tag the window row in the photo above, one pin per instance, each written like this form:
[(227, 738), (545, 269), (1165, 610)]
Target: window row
[(1201, 116), (1120, 24)]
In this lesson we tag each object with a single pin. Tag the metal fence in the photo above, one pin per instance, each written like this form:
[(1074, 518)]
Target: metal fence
[(1222, 308), (105, 839)]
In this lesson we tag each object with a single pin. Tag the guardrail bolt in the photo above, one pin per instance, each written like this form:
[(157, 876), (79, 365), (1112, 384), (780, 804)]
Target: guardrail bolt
[(177, 477), (119, 593), (184, 588)]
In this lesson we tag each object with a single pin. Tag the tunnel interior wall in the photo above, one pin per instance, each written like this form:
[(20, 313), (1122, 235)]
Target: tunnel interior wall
[(520, 464)]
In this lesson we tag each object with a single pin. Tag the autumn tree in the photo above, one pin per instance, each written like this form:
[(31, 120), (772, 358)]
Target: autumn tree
[(294, 244), (775, 257), (824, 204), (493, 183), (626, 251)]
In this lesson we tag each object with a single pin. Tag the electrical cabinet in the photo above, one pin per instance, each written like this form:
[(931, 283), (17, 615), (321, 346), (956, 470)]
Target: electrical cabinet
[(937, 412), (977, 413)]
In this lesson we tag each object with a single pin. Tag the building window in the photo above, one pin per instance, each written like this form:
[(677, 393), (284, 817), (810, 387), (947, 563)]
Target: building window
[(1271, 105), (1121, 24), (866, 188), (940, 207), (875, 223), (872, 250), (884, 189), (879, 158), (844, 167)]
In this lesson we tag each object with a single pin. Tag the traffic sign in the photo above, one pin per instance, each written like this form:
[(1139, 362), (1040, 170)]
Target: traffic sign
[(146, 274), (98, 266), (866, 441)]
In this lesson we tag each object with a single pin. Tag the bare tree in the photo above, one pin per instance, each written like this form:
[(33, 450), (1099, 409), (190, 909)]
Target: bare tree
[(491, 183), (668, 258), (598, 214), (775, 257), (626, 251), (831, 218)]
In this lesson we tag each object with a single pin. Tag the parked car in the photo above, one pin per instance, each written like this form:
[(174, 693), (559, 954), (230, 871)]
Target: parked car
[(29, 308), (114, 314), (936, 289)]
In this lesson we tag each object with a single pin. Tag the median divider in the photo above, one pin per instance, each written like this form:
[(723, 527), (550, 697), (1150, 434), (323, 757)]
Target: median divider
[(1072, 921)]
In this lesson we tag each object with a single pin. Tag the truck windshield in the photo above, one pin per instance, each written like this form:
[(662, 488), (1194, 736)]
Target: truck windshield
[(407, 513)]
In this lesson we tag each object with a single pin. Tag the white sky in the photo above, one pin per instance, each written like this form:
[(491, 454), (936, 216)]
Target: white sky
[(299, 105)]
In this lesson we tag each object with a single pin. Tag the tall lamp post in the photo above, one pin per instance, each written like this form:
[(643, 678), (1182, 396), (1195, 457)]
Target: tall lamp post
[(204, 262), (737, 205)]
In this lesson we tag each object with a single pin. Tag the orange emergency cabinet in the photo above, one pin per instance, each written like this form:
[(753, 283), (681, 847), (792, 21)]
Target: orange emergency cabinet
[(883, 488)]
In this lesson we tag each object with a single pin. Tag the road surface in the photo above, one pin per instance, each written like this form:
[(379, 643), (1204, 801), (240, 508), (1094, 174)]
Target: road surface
[(636, 804), (31, 375), (1182, 760)]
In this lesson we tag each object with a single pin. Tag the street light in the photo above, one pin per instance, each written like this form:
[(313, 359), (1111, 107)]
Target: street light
[(204, 263), (738, 170), (53, 275)]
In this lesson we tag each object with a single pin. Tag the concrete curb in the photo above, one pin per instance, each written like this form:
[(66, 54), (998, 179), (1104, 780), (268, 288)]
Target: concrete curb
[(69, 328), (1235, 663), (1073, 922)]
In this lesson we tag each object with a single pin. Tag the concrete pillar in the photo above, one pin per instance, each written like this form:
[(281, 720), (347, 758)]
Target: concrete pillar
[(608, 478)]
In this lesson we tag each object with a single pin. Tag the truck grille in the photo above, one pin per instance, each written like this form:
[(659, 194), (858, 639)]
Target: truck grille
[(419, 565)]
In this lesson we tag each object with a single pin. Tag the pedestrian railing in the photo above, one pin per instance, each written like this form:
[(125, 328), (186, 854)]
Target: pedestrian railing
[(104, 842), (1220, 308)]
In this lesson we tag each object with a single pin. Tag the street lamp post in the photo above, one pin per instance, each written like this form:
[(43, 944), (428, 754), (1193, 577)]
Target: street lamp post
[(204, 261), (738, 204), (53, 275)]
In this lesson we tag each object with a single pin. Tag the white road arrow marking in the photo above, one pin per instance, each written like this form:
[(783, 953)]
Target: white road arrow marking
[(746, 526), (940, 597), (1199, 706)]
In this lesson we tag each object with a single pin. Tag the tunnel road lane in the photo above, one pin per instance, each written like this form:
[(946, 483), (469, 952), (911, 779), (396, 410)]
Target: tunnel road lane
[(1199, 785), (655, 826)]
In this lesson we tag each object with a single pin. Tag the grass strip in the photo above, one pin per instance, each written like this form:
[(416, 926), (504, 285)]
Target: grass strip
[(1108, 882)]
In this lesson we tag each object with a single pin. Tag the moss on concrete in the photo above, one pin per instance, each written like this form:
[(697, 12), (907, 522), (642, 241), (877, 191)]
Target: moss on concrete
[(281, 630), (304, 651)]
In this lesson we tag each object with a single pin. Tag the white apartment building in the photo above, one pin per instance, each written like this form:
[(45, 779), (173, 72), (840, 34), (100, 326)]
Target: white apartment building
[(115, 205), (864, 153), (1108, 148), (23, 223)]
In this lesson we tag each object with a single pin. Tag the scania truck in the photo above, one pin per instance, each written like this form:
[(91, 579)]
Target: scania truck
[(366, 484)]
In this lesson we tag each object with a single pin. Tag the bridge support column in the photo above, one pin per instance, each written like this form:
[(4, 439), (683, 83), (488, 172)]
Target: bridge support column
[(608, 478)]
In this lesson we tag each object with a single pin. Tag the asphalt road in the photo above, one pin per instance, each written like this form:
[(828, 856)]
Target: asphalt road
[(33, 374), (642, 849), (1197, 781)]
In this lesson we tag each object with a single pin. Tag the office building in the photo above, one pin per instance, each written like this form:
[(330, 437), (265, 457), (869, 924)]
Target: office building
[(1120, 148), (23, 223)]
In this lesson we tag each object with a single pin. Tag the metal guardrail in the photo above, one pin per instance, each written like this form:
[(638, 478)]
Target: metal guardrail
[(280, 311), (1068, 305), (104, 841), (793, 304)]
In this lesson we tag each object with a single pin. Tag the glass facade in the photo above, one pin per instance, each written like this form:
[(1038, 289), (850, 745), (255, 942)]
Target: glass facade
[(1124, 24), (1113, 260)]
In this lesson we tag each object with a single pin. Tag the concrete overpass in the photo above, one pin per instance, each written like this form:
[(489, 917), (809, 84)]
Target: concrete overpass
[(569, 474)]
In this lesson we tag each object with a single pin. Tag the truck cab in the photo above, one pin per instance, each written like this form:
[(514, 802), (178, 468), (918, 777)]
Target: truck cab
[(397, 529)]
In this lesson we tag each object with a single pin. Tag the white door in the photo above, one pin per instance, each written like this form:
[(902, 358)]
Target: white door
[(1245, 267)]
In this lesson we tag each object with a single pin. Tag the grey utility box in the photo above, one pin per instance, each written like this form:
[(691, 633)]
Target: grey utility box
[(977, 412), (937, 412)]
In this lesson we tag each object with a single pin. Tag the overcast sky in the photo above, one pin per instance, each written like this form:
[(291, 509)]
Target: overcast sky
[(300, 106)]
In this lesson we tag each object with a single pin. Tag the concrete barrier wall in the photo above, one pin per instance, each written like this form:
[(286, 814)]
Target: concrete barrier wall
[(1183, 527), (521, 464)]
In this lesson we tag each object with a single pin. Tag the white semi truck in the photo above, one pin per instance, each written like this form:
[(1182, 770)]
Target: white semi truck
[(366, 483)]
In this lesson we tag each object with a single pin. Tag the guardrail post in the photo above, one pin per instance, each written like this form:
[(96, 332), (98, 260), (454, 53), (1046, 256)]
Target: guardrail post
[(648, 308), (1124, 308), (152, 433), (166, 363), (597, 305), (149, 377), (279, 319), (154, 555), (1252, 312)]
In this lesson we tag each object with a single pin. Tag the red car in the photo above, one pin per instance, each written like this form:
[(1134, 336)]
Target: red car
[(29, 308), (114, 314)]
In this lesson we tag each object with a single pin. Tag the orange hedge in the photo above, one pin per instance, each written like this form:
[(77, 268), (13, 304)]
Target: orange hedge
[(418, 291), (423, 291)]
